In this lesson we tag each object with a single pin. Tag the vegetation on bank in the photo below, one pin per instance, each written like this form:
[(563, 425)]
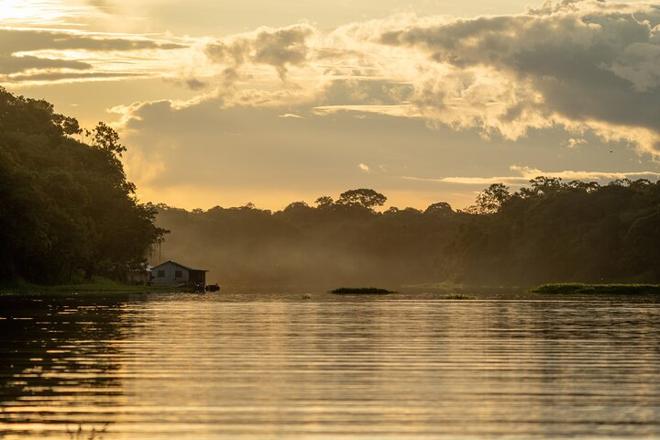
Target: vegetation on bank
[(66, 208), (361, 291), (580, 288), (95, 285)]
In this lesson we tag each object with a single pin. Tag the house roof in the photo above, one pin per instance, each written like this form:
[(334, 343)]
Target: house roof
[(178, 264)]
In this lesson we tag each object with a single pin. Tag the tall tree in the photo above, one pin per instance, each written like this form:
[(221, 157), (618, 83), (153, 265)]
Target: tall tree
[(66, 207), (366, 198)]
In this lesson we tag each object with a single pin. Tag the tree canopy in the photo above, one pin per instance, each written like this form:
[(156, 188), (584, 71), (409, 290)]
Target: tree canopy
[(366, 198), (547, 231), (66, 207)]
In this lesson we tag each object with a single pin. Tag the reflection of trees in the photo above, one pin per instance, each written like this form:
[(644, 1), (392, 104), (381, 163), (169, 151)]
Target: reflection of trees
[(59, 366)]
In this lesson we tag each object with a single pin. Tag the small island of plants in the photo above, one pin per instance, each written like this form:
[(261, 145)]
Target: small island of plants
[(581, 288), (360, 291)]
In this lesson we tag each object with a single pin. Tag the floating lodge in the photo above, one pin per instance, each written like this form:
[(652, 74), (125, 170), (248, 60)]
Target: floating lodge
[(171, 273), (175, 275)]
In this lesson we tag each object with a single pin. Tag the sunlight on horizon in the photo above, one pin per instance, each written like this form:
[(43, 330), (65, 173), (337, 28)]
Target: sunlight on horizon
[(36, 12)]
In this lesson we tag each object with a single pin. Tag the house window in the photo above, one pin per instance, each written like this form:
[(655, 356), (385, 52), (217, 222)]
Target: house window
[(161, 274), (178, 274)]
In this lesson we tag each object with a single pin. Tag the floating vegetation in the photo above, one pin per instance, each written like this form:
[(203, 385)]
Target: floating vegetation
[(360, 291), (622, 289), (457, 296)]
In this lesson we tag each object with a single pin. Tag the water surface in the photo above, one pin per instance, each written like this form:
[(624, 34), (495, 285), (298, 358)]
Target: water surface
[(214, 367)]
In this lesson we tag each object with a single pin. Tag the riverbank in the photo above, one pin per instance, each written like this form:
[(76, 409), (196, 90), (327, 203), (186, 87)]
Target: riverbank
[(604, 289), (97, 285)]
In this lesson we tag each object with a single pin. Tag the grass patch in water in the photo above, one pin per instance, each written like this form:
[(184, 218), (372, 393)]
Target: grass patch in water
[(582, 288), (457, 296), (360, 291)]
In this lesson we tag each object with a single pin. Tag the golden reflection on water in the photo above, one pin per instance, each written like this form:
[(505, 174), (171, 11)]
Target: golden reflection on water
[(174, 367)]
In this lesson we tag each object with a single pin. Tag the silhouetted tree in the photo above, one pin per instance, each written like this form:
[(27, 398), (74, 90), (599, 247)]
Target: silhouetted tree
[(324, 201), (440, 208), (366, 198), (66, 207), (296, 205), (106, 138), (491, 199)]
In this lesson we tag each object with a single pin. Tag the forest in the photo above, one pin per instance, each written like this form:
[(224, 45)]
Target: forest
[(67, 210), (547, 231)]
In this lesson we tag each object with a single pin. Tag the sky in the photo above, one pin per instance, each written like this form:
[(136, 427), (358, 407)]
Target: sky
[(271, 102)]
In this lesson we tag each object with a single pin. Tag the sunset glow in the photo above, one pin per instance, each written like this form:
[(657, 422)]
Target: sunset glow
[(306, 86)]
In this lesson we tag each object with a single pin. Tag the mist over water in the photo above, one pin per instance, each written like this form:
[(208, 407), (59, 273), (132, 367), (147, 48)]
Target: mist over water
[(550, 231), (274, 366)]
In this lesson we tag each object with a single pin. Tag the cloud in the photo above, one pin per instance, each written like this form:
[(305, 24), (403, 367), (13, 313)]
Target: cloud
[(300, 108), (502, 75), (36, 55), (13, 64), (582, 65), (256, 142), (226, 142), (47, 77), (525, 174), (195, 84), (102, 5), (274, 47), (575, 142), (26, 40), (351, 91)]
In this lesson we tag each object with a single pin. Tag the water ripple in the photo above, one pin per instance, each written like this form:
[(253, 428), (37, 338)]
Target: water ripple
[(176, 367)]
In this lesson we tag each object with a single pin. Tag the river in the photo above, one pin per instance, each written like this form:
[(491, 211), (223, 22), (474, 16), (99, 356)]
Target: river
[(280, 366)]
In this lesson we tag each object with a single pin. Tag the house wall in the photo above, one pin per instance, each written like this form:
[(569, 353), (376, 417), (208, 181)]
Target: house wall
[(169, 272)]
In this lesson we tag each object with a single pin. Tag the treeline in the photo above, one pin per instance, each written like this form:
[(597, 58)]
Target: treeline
[(67, 210), (548, 231)]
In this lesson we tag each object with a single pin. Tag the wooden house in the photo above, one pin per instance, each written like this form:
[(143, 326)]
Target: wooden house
[(171, 273)]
